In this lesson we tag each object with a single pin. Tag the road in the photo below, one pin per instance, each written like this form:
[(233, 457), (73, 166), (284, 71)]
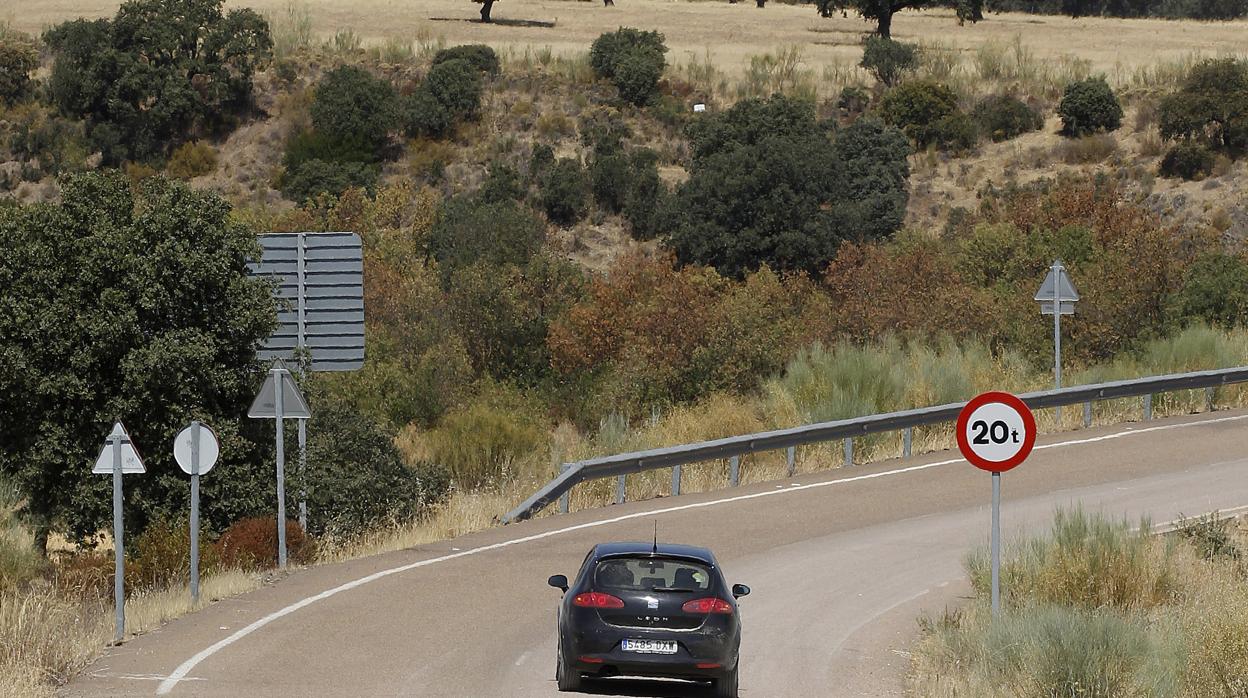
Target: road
[(840, 563)]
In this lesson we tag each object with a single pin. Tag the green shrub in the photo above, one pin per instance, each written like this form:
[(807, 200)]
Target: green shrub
[(1215, 291), (1089, 106), (18, 59), (457, 86), (482, 442), (424, 115), (609, 180), (502, 183), (59, 144), (874, 159), (314, 145), (161, 556), (637, 74), (469, 230), (1003, 117), (480, 56), (540, 162), (927, 112), (603, 130), (646, 198), (251, 544), (564, 192), (311, 178), (352, 106), (192, 159), (631, 59), (1211, 106), (608, 48), (1186, 160), (889, 61), (1210, 535), (853, 101), (357, 480), (149, 78)]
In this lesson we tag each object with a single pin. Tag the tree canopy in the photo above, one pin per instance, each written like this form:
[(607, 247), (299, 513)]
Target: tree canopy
[(769, 185), (131, 306), (158, 73), (881, 11)]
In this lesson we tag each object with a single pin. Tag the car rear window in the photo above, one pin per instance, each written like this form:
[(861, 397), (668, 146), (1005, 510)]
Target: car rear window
[(649, 573)]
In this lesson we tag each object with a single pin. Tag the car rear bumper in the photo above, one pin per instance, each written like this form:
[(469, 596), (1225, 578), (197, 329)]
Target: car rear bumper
[(702, 654)]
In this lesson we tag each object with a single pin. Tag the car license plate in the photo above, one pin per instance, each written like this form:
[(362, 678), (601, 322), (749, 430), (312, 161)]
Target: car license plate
[(650, 646)]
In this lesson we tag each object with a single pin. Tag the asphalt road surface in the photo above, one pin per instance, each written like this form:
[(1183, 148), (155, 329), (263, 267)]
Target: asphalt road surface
[(841, 564)]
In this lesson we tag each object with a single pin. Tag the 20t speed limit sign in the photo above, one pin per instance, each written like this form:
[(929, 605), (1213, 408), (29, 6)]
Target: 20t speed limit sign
[(996, 431)]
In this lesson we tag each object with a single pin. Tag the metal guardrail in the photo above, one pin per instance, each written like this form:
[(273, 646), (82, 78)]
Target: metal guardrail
[(789, 439)]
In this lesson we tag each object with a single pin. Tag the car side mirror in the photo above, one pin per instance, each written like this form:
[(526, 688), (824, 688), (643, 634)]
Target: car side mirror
[(739, 590), (560, 582)]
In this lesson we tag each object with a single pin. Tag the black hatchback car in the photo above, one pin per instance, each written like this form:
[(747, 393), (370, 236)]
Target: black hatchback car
[(649, 610)]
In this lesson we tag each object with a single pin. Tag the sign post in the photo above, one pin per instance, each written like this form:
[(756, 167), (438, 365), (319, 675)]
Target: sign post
[(118, 458), (1057, 297), (996, 432), (196, 450), (280, 399)]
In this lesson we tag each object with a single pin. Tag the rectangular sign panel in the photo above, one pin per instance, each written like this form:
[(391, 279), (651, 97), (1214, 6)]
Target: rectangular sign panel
[(320, 292)]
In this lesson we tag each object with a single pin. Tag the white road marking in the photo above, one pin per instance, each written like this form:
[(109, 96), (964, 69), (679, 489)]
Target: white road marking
[(185, 668)]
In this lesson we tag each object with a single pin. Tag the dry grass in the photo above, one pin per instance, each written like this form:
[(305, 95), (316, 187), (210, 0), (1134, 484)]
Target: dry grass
[(46, 637), (150, 609), (1096, 610)]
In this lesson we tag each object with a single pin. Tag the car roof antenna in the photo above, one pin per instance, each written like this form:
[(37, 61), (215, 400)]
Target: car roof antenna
[(655, 550)]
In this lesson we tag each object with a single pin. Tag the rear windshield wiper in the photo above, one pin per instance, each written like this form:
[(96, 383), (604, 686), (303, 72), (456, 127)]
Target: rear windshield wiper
[(674, 589)]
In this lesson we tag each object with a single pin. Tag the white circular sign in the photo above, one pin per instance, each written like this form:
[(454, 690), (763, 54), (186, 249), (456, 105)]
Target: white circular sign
[(996, 431), (209, 449)]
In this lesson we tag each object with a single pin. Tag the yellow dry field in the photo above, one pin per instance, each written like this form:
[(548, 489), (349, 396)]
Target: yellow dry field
[(728, 33)]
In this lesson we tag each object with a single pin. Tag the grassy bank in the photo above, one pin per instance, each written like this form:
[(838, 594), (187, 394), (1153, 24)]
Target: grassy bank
[(1099, 608)]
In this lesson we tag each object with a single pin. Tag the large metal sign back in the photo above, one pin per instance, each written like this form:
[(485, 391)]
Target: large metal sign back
[(321, 276)]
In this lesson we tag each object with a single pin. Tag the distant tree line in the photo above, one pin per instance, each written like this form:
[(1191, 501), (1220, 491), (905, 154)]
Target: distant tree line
[(1167, 9)]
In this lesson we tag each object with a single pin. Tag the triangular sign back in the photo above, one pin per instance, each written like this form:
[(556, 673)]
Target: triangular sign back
[(293, 404), (1065, 289)]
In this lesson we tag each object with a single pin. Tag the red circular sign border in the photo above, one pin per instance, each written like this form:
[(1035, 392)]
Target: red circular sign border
[(1029, 429)]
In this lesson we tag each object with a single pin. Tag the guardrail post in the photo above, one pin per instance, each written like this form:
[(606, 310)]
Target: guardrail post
[(566, 498), (791, 455), (907, 439), (734, 470), (619, 490), (1148, 407), (849, 451), (1087, 414), (1208, 399), (675, 480)]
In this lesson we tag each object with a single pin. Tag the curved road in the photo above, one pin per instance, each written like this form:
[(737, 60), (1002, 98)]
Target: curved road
[(841, 563)]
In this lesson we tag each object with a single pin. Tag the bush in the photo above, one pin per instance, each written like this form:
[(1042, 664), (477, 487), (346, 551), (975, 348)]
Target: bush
[(149, 78), (1086, 150), (768, 186), (502, 183), (609, 180), (312, 178), (18, 59), (192, 159), (1089, 106), (889, 61), (251, 544), (1210, 108), (564, 192), (853, 101), (542, 159), (927, 112), (161, 556), (353, 106), (457, 86), (424, 115), (1003, 117), (631, 59), (1187, 160), (358, 481), (480, 56), (646, 199), (874, 159), (637, 74), (608, 48), (497, 233), (481, 443), (1215, 291)]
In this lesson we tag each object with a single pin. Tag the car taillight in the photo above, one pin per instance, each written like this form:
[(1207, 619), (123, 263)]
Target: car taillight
[(707, 605), (596, 599)]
